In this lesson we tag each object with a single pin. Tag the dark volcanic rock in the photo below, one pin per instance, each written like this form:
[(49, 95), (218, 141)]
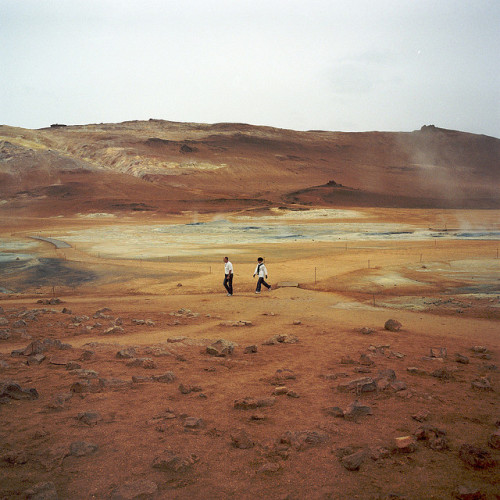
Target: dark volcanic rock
[(393, 325)]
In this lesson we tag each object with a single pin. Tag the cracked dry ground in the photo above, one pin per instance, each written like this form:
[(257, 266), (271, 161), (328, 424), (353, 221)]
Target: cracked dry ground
[(129, 398)]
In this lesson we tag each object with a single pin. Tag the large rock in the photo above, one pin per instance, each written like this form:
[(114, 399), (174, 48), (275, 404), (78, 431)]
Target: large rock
[(221, 348)]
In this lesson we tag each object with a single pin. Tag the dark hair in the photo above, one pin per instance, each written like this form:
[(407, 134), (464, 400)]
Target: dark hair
[(260, 259)]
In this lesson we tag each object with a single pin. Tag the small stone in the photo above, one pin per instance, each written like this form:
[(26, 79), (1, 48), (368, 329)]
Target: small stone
[(302, 440), (4, 335), (479, 349), (355, 410), (459, 358), (354, 460), (82, 448), (281, 339), (417, 371), (166, 378), (89, 418), (169, 461), (221, 348), (251, 349), (443, 374), (366, 331), (405, 444), (15, 458), (475, 457), (365, 384), (135, 490), (194, 423), (438, 352), (292, 394), (279, 391), (128, 353), (270, 467), (36, 359), (393, 325), (465, 493), (240, 439), (482, 384), (114, 330), (365, 360), (421, 416), (389, 374), (334, 411), (494, 440), (297, 322)]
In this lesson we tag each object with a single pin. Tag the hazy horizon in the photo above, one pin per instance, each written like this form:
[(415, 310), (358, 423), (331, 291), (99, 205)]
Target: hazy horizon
[(325, 65)]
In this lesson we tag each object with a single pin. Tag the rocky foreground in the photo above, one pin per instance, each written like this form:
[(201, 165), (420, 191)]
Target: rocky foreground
[(284, 412)]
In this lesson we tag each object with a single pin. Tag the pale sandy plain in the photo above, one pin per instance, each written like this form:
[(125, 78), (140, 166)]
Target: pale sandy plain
[(441, 288)]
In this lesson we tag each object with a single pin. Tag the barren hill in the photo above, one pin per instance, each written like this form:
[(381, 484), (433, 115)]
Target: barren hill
[(168, 166)]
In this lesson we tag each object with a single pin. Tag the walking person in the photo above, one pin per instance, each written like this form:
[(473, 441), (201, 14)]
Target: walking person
[(261, 272), (228, 277)]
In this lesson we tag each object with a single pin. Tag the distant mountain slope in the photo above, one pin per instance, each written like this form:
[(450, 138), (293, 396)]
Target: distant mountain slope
[(169, 166)]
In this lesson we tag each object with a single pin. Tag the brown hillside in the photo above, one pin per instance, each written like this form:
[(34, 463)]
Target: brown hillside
[(167, 166)]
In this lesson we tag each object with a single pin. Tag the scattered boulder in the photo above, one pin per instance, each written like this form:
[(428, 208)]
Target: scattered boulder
[(479, 349), (301, 440), (146, 363), (166, 378), (354, 460), (405, 444), (236, 323), (5, 335), (459, 358), (281, 375), (82, 448), (194, 423), (417, 371), (435, 438), (355, 410), (482, 384), (421, 416), (171, 462), (359, 385), (36, 359), (12, 390), (135, 490), (127, 353), (443, 374), (334, 411), (240, 439), (251, 349), (393, 325), (281, 339), (221, 348), (366, 330), (252, 403), (89, 417), (475, 457)]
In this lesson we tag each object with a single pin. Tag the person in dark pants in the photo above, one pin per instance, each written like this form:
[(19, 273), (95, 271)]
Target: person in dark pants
[(228, 277), (261, 272)]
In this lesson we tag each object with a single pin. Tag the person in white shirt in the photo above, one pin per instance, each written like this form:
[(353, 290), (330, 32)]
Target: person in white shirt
[(261, 272), (228, 277)]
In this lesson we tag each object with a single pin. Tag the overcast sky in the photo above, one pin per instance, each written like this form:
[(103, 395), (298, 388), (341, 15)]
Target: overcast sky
[(351, 65)]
